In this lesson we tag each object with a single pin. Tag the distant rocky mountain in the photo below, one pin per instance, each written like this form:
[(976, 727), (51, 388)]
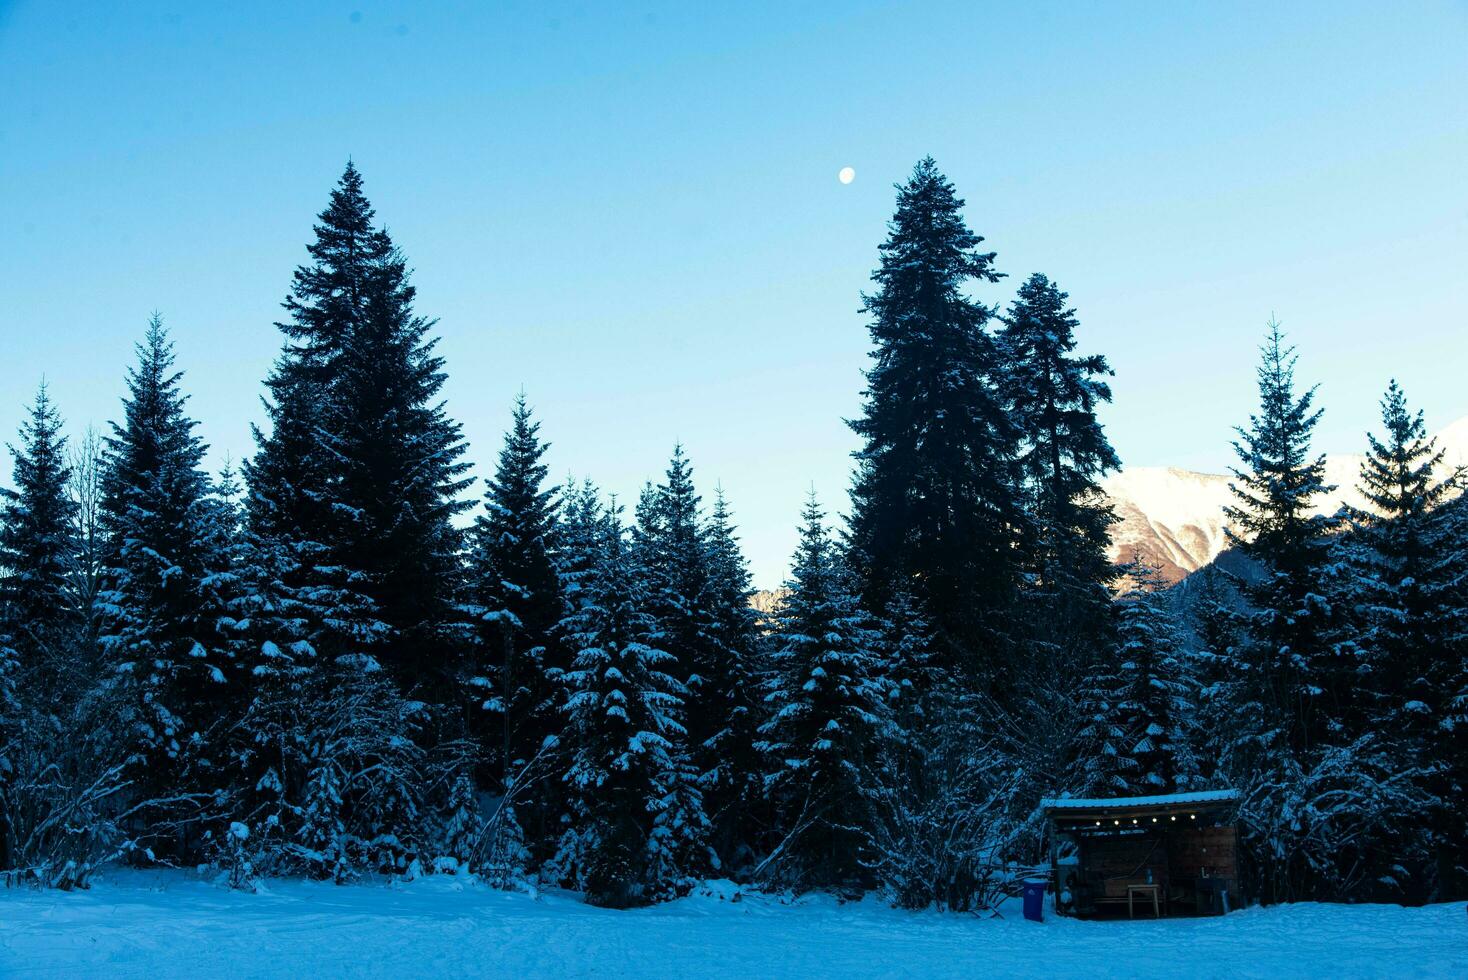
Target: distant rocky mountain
[(1174, 518), (767, 601)]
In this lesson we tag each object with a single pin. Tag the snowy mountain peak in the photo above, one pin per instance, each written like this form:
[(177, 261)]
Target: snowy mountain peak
[(1174, 518)]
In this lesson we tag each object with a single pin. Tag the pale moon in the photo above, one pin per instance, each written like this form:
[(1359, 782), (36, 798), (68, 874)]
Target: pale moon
[(847, 175)]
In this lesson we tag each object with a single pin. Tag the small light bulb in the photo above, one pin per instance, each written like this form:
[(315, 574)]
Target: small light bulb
[(1117, 822), (1174, 816), (1192, 816), (1154, 819), (1134, 821)]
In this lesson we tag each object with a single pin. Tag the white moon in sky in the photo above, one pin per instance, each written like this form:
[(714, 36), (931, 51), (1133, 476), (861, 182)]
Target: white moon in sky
[(847, 175)]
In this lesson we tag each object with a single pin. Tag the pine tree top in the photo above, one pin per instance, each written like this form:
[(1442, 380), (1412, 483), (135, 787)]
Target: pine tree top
[(928, 244), (517, 492), (1398, 475), (37, 519), (154, 449), (328, 295), (40, 465), (1279, 480)]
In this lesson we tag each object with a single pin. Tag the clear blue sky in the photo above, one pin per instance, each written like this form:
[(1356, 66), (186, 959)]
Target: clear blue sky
[(632, 210)]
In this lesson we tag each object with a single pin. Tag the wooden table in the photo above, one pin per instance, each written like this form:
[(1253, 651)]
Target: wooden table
[(1154, 890)]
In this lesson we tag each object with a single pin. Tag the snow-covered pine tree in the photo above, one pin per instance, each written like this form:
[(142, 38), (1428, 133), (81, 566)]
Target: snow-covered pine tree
[(38, 622), (37, 550), (581, 544), (163, 616), (827, 718), (934, 502), (1215, 661), (939, 809), (1451, 677), (1053, 396), (68, 746), (1394, 634), (1101, 759), (1320, 802), (623, 734), (1276, 486), (517, 595), (670, 560), (730, 769), (360, 473), (707, 631), (399, 474), (669, 537), (307, 607), (1156, 701), (1398, 622), (352, 494)]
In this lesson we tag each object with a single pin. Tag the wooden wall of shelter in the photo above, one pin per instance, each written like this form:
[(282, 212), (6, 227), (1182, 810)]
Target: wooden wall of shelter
[(1175, 854)]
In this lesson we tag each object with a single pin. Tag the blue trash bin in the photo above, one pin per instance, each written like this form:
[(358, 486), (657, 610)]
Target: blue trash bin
[(1035, 901)]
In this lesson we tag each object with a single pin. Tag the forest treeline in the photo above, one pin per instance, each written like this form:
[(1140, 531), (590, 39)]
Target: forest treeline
[(319, 665)]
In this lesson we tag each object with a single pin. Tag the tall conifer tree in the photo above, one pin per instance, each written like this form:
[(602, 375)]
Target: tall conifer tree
[(38, 622), (1157, 699), (1317, 795), (398, 460), (726, 759), (673, 552), (518, 590), (1273, 522), (1396, 636), (623, 737), (163, 633), (1053, 396), (1398, 586), (827, 717), (37, 541), (360, 474), (699, 592), (934, 506)]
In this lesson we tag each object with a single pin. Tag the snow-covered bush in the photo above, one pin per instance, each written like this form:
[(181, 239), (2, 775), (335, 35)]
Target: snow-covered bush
[(235, 854), (68, 794), (942, 831), (1336, 827)]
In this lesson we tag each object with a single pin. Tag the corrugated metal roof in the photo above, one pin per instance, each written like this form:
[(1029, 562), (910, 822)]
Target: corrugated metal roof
[(1126, 802)]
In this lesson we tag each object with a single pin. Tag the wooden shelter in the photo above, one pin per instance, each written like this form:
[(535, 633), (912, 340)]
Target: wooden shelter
[(1147, 855)]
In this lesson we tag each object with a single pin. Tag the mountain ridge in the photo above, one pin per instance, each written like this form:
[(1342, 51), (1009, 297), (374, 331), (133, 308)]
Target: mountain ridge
[(1174, 518)]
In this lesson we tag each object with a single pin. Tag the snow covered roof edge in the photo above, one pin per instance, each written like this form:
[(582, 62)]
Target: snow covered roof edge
[(1122, 802)]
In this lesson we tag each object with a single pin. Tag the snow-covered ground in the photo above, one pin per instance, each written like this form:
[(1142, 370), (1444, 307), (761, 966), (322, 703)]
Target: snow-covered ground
[(175, 925)]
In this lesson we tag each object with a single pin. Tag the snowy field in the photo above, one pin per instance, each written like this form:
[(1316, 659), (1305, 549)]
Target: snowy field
[(163, 925)]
